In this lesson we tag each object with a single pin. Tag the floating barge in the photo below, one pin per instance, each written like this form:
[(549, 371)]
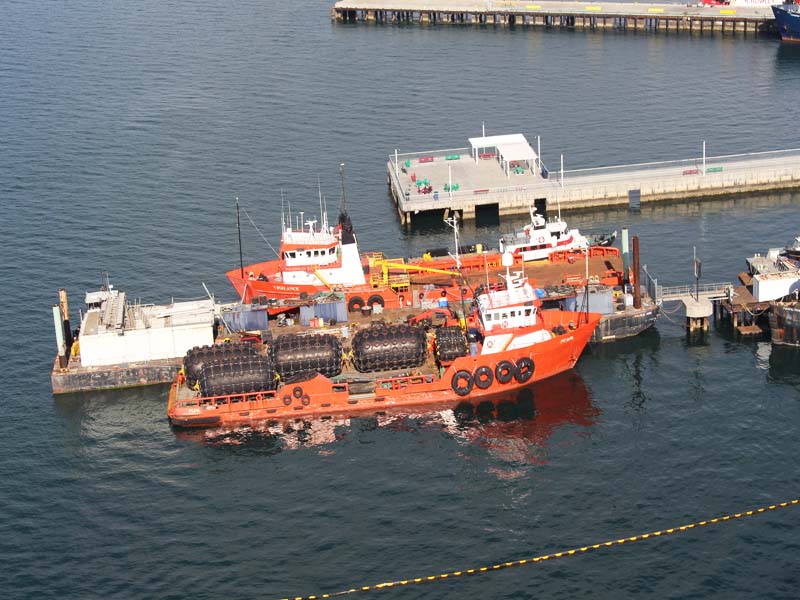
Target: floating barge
[(504, 175), (123, 344), (618, 16)]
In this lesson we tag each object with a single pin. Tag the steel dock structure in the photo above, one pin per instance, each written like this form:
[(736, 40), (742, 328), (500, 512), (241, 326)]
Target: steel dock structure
[(623, 16), (457, 182)]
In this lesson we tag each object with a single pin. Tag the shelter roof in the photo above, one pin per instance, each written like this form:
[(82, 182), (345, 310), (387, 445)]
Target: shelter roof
[(511, 147)]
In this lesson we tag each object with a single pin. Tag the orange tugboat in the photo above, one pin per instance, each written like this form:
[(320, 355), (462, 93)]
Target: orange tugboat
[(502, 341)]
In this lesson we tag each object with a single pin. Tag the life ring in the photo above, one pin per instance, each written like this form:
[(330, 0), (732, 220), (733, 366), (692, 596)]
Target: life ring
[(490, 344), (505, 371), (483, 377), (505, 325), (355, 304), (306, 399), (375, 299), (259, 397), (541, 239), (287, 400), (524, 370), (297, 391), (462, 389)]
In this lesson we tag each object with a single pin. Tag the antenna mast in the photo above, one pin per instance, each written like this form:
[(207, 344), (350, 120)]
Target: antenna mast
[(344, 197), (239, 231)]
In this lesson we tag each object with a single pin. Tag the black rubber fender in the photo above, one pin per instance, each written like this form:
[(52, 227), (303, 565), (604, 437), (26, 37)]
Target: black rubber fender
[(462, 382), (505, 371), (524, 370), (297, 391), (287, 399), (376, 299), (355, 304), (306, 399), (484, 377)]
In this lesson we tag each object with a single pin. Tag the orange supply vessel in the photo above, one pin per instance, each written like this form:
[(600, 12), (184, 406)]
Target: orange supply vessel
[(314, 258), (504, 341)]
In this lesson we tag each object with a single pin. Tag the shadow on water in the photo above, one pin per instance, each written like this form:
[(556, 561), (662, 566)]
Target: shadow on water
[(121, 417), (784, 365), (787, 59), (528, 416), (648, 341)]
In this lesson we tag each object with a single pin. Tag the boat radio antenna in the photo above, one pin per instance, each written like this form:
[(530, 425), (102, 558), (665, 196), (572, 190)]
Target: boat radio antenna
[(239, 231)]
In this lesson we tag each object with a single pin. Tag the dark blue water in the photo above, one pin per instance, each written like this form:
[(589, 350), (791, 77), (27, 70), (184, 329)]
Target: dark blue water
[(127, 130)]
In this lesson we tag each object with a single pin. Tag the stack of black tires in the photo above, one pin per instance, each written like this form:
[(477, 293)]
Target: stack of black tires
[(388, 348), (237, 375), (294, 354), (199, 356), (450, 344), (225, 369)]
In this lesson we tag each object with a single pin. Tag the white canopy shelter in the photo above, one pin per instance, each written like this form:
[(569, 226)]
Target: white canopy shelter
[(513, 148)]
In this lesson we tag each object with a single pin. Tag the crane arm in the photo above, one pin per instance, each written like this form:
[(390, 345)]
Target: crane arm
[(418, 268)]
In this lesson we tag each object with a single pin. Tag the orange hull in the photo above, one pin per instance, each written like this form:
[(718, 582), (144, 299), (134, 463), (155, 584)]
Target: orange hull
[(250, 289), (320, 397)]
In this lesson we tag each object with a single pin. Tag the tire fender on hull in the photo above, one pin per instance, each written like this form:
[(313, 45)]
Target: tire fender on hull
[(505, 371), (462, 382), (355, 304), (484, 377), (524, 369)]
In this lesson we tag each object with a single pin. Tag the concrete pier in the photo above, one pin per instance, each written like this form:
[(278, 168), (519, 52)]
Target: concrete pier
[(621, 16), (457, 183)]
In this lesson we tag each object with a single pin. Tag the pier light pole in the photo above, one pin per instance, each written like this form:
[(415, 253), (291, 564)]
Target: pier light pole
[(450, 183), (562, 171), (483, 128), (704, 158), (396, 166), (539, 154)]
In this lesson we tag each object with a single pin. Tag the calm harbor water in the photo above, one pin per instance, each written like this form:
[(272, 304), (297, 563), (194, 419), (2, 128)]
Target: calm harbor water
[(127, 132)]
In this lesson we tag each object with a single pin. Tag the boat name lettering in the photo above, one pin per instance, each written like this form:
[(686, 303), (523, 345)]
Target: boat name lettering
[(569, 339), (287, 288)]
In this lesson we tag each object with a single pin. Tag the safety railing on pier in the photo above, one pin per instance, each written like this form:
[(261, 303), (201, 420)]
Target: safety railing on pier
[(661, 294), (615, 181)]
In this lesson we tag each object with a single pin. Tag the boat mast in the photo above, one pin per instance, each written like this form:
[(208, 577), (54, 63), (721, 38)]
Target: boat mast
[(453, 222), (344, 196), (239, 231)]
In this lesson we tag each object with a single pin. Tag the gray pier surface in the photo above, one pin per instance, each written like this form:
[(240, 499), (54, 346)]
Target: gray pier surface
[(625, 16), (484, 185)]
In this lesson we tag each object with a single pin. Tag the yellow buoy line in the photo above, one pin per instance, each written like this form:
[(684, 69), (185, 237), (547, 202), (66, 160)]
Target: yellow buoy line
[(546, 557)]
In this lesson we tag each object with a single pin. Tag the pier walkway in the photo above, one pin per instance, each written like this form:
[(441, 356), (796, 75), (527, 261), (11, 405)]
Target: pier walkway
[(624, 16), (456, 182), (698, 300)]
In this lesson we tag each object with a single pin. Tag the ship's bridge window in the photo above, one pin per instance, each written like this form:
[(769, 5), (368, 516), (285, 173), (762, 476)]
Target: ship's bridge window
[(528, 312), (505, 316), (290, 255), (332, 250)]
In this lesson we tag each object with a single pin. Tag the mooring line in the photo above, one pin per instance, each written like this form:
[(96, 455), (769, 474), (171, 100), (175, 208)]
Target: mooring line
[(545, 557)]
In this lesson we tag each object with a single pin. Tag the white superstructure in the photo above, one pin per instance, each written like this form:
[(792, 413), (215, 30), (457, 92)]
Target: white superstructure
[(114, 331), (775, 275)]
